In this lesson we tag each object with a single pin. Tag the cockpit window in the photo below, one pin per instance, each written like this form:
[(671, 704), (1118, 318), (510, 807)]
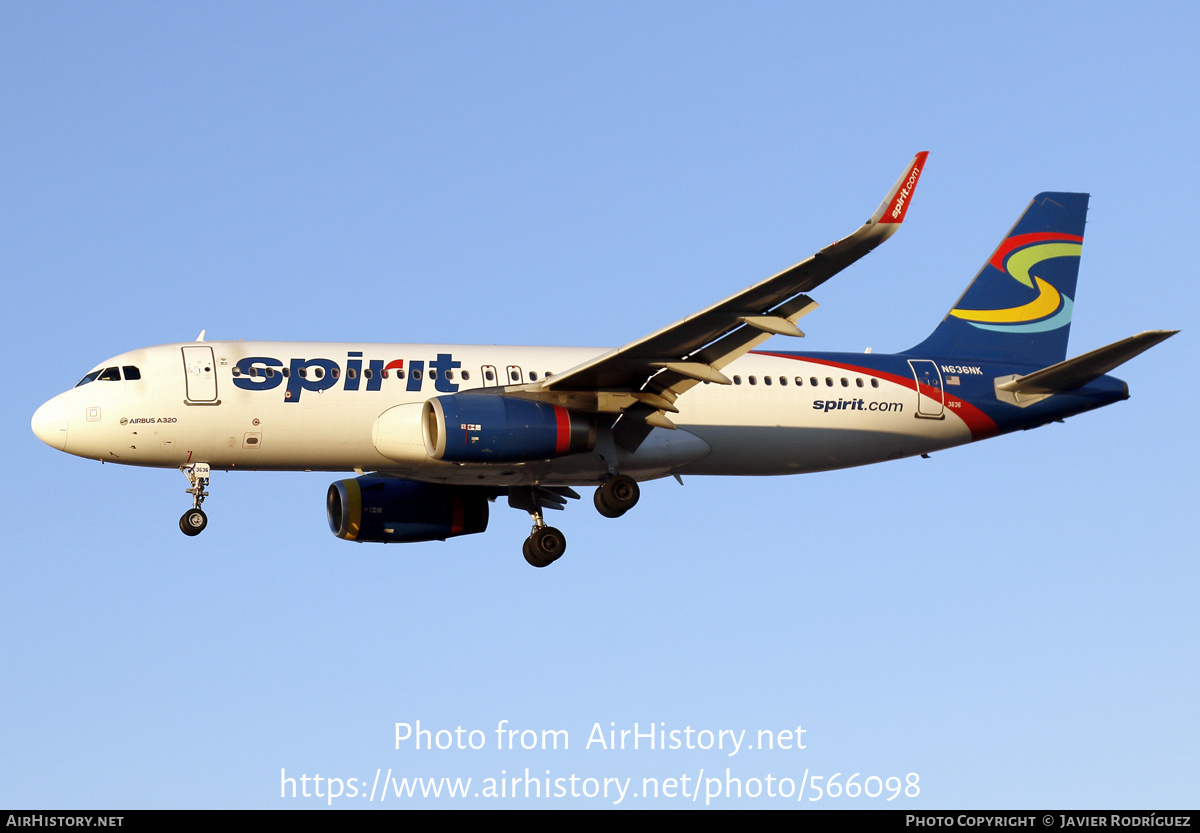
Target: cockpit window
[(112, 374)]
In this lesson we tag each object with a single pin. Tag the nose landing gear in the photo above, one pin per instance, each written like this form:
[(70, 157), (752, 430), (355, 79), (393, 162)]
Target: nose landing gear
[(194, 520)]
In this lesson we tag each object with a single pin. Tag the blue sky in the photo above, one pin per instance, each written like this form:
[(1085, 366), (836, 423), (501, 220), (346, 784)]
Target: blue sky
[(1013, 621)]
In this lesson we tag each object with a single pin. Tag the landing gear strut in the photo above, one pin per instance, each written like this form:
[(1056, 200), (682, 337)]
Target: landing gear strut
[(617, 495), (194, 520), (545, 544)]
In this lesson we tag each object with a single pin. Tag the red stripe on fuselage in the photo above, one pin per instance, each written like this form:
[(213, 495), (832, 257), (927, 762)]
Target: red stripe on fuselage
[(978, 423)]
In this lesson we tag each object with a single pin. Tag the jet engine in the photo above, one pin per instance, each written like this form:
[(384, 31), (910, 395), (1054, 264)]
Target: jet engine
[(482, 428), (391, 510)]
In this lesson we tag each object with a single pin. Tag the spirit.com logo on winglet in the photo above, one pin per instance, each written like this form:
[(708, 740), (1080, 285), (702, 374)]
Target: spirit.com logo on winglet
[(899, 205)]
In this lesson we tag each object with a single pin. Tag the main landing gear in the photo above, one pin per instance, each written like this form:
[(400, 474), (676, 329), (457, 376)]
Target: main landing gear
[(194, 520), (617, 495), (545, 544)]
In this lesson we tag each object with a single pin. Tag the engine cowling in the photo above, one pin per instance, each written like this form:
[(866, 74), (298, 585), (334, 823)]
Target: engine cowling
[(475, 428), (482, 428), (391, 510)]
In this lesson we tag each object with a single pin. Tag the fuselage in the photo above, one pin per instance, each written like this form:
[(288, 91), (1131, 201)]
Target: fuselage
[(314, 406)]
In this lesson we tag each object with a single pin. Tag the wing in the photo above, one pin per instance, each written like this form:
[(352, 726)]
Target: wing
[(642, 380)]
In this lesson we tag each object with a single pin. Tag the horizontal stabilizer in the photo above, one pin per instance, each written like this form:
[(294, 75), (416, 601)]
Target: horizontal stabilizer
[(1076, 372)]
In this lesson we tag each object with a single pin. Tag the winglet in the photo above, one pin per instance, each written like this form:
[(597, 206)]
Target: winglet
[(896, 205)]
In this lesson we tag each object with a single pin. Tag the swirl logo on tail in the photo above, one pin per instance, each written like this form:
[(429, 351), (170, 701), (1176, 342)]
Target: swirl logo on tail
[(1016, 256)]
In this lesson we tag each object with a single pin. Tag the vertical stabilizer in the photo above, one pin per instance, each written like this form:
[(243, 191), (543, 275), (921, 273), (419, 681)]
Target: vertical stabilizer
[(1018, 308)]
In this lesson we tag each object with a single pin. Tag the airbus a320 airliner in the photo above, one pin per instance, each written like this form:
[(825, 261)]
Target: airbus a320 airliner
[(445, 429)]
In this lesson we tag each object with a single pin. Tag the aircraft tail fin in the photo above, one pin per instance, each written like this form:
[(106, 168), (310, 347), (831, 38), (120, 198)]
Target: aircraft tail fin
[(1018, 308)]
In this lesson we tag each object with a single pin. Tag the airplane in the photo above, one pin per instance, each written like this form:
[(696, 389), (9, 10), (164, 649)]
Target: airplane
[(436, 432)]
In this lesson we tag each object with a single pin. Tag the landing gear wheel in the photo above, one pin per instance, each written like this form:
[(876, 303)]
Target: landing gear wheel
[(617, 496), (193, 522), (544, 546), (533, 560)]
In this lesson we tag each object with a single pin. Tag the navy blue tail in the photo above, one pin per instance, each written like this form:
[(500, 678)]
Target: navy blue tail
[(1018, 308)]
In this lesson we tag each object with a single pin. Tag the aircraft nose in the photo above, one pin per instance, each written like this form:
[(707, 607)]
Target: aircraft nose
[(50, 423)]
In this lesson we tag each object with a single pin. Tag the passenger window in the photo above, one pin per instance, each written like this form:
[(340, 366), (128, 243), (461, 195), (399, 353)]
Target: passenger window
[(845, 382), (236, 372), (783, 380), (399, 373), (383, 374), (132, 374), (828, 382), (336, 372), (766, 380), (367, 373), (416, 374), (813, 381), (271, 373), (352, 373), (753, 381), (799, 381), (533, 375), (253, 372), (737, 380), (450, 375), (466, 375), (433, 373), (874, 383), (488, 375), (303, 372), (859, 382)]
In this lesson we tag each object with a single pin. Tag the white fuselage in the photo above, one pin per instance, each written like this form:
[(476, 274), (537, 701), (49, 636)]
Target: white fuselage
[(314, 406)]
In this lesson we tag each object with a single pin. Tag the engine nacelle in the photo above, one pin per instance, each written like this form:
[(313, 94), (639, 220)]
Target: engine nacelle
[(391, 510), (481, 428)]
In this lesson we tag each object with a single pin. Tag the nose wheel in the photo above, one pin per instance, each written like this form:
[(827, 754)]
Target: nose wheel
[(193, 521)]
